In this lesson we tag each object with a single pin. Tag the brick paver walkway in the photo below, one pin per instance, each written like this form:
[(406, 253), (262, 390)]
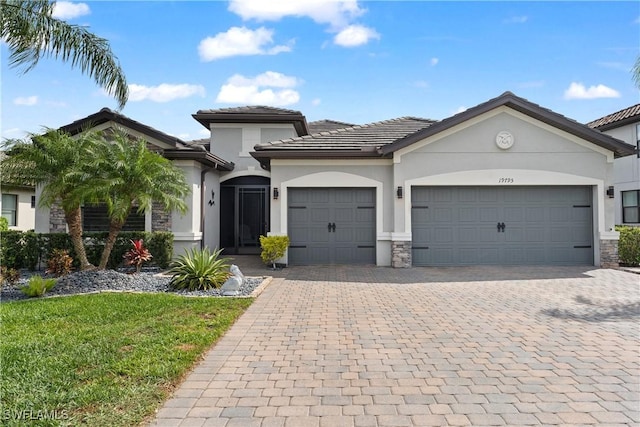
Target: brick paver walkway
[(550, 346)]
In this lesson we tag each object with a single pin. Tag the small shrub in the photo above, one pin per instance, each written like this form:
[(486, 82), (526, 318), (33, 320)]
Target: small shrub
[(199, 270), (9, 275), (160, 244), (629, 246), (4, 224), (59, 263), (137, 255), (38, 286), (273, 248)]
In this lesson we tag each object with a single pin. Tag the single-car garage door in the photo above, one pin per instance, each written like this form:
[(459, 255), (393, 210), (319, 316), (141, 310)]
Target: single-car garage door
[(502, 225), (332, 226)]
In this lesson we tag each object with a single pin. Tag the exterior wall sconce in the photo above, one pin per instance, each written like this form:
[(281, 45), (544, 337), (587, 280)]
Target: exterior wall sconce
[(610, 192), (276, 194), (399, 192)]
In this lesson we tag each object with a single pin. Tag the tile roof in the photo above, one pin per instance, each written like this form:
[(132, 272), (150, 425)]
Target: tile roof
[(250, 109), (367, 137), (619, 118), (327, 125)]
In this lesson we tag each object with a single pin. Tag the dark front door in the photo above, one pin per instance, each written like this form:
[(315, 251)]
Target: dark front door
[(244, 215)]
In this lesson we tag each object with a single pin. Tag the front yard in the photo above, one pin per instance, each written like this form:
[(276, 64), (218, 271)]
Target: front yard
[(106, 359)]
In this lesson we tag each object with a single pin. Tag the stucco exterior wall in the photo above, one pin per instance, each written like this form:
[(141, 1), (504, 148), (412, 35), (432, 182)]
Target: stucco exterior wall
[(211, 201), (25, 214), (186, 228)]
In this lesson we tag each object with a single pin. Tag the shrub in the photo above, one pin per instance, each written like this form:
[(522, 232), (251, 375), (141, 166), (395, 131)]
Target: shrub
[(629, 245), (11, 248), (32, 250), (199, 269), (9, 275), (137, 255), (4, 224), (273, 248), (38, 286), (160, 244), (59, 263)]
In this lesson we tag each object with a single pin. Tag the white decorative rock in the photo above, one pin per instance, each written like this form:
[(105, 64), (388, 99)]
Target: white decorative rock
[(231, 287)]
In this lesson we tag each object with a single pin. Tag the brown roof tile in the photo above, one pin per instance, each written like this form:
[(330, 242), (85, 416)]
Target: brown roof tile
[(617, 119)]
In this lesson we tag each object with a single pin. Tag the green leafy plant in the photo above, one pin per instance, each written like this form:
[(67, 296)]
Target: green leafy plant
[(199, 269), (273, 248), (137, 255), (4, 224), (38, 286), (629, 246), (59, 263), (9, 275)]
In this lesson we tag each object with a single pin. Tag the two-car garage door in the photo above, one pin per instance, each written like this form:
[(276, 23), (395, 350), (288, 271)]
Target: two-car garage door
[(502, 225)]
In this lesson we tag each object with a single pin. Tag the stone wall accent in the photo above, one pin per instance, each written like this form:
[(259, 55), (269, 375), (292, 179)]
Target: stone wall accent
[(609, 253), (400, 254), (160, 218), (57, 223)]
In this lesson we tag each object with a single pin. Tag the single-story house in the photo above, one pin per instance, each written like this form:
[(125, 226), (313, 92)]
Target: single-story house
[(624, 125), (18, 203), (506, 182)]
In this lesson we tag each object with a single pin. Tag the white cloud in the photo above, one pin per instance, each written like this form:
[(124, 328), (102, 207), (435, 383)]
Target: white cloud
[(239, 41), (579, 91), (257, 90), (434, 61), (355, 35), (68, 10), (337, 13), (164, 92), (316, 102), (26, 101)]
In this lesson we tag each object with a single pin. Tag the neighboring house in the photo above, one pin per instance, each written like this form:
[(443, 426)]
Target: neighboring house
[(18, 204), (506, 182), (624, 125)]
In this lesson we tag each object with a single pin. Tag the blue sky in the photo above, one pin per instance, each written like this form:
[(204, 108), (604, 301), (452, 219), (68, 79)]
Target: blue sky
[(346, 60)]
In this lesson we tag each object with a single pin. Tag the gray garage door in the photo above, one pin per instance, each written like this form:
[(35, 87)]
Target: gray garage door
[(502, 226), (332, 226)]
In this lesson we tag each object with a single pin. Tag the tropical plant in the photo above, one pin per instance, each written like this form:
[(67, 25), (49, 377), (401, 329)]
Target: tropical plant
[(4, 224), (273, 248), (199, 269), (38, 286), (9, 275), (127, 174), (137, 255), (59, 163), (31, 32), (59, 263)]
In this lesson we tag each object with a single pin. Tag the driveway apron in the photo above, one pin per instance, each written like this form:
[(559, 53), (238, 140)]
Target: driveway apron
[(420, 347)]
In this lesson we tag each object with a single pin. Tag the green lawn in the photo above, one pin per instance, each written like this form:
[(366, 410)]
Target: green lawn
[(104, 359)]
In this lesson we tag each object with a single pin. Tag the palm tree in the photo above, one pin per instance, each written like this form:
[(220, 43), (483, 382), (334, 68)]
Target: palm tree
[(31, 32), (57, 162), (129, 175)]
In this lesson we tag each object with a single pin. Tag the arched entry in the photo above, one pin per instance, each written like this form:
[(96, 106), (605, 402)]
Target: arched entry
[(244, 214)]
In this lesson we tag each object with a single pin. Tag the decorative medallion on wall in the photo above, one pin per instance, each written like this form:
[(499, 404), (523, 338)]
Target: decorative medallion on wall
[(504, 140)]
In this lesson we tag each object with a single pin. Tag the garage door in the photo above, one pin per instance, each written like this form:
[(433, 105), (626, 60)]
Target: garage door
[(332, 226), (502, 226)]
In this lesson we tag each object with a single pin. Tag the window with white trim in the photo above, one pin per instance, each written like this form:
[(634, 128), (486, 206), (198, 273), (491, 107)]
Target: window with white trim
[(631, 207), (10, 208)]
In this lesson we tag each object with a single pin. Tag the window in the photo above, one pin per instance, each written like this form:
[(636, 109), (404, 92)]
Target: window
[(95, 218), (33, 202), (10, 208), (631, 207)]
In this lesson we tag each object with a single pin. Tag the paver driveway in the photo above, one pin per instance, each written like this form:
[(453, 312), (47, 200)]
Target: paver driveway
[(470, 346)]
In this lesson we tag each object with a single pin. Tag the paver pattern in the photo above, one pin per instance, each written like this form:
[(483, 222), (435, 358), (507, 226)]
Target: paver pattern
[(479, 346)]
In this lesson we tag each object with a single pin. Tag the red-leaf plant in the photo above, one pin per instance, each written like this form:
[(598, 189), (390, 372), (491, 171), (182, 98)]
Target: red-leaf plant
[(137, 255)]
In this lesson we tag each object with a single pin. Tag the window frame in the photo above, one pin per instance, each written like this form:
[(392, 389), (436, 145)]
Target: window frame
[(636, 206), (12, 217)]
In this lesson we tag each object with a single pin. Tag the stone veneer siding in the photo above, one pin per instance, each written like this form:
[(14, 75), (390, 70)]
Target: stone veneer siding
[(160, 219), (401, 254), (57, 222), (609, 253)]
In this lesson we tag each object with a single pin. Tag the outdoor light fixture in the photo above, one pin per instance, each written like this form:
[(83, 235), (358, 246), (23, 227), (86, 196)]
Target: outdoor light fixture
[(276, 193), (610, 192), (399, 192)]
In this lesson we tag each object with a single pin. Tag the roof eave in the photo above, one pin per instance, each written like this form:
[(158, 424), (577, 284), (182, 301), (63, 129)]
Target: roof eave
[(298, 121)]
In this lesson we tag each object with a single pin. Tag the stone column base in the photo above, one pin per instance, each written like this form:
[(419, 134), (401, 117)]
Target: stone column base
[(609, 253), (400, 254)]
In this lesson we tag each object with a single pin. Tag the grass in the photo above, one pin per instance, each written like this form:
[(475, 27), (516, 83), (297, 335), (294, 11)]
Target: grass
[(106, 359)]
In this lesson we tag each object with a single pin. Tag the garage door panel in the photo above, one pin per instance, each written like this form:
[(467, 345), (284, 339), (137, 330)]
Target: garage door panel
[(351, 210), (543, 225)]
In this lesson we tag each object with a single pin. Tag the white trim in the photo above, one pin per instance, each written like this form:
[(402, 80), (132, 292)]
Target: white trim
[(251, 171), (332, 162), (184, 236)]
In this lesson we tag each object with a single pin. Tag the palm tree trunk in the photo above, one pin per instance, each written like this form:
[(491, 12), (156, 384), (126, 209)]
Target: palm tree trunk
[(114, 228), (74, 221)]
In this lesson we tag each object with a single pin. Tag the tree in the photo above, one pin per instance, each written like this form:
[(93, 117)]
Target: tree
[(636, 72), (31, 33), (129, 175), (57, 162)]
